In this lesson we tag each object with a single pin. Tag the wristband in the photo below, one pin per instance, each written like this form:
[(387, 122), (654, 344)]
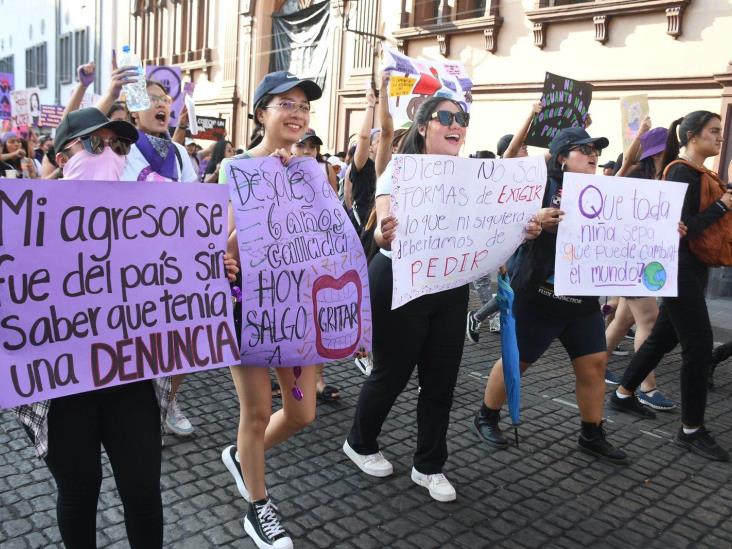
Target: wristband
[(181, 127)]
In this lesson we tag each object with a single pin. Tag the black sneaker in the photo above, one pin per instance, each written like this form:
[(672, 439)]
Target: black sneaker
[(230, 457), (262, 523), (631, 334), (488, 429), (596, 445), (611, 378), (630, 405), (472, 327), (702, 442)]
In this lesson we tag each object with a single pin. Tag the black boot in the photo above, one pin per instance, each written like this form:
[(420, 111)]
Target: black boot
[(486, 425), (592, 441)]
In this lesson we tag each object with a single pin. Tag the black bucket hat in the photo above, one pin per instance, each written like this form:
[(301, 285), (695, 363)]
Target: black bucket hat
[(86, 121)]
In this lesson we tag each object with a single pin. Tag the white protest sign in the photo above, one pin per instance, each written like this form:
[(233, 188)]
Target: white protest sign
[(458, 218), (619, 236), (192, 119), (411, 81)]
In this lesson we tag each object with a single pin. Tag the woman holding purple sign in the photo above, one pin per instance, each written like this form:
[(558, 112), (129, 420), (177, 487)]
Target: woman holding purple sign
[(282, 114)]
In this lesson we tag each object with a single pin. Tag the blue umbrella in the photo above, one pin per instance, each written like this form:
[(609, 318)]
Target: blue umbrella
[(509, 350)]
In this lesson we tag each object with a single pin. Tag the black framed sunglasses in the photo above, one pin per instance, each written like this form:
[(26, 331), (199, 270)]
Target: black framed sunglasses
[(446, 117), (95, 145), (587, 150)]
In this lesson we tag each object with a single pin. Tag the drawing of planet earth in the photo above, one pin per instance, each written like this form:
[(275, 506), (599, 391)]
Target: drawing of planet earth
[(654, 276)]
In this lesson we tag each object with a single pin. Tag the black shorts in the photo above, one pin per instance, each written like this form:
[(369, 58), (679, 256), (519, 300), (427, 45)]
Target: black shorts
[(537, 329)]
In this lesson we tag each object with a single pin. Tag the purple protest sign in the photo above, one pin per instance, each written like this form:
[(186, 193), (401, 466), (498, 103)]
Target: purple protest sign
[(51, 116), (170, 77), (6, 101), (305, 283), (93, 295)]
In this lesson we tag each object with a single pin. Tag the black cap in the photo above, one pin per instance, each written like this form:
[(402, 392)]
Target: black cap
[(571, 137), (503, 144), (85, 121), (282, 81), (310, 134), (609, 164)]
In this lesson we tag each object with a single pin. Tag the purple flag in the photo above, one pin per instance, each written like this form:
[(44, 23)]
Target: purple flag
[(305, 283), (105, 283)]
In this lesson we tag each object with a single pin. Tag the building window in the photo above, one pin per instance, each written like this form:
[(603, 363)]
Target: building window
[(81, 47), (36, 66), (7, 65), (65, 60), (469, 9), (426, 12)]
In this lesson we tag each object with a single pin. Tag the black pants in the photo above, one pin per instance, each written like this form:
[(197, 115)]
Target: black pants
[(428, 332), (683, 319), (126, 420)]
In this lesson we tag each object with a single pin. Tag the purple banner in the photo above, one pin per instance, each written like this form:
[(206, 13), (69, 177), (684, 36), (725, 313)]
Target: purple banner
[(6, 101), (305, 281), (94, 295)]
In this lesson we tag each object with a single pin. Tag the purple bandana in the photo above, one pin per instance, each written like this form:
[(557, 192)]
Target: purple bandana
[(162, 165)]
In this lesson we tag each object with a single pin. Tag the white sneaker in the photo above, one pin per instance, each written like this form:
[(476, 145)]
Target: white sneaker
[(438, 485), (230, 457), (364, 364), (176, 422), (372, 464)]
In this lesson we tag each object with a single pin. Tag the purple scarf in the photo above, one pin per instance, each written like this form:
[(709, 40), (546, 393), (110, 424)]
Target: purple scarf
[(161, 162)]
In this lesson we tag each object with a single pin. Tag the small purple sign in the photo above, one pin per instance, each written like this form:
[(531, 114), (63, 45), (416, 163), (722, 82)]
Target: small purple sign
[(94, 295), (171, 78), (6, 101), (51, 116), (305, 282)]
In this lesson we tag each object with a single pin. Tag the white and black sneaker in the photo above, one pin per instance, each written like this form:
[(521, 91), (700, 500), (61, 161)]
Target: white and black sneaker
[(230, 457), (262, 523), (472, 327)]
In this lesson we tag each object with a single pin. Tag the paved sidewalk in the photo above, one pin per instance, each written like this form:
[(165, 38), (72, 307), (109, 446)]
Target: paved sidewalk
[(542, 494)]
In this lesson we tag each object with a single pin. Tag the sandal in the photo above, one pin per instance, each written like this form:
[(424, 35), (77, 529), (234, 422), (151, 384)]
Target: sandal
[(328, 394)]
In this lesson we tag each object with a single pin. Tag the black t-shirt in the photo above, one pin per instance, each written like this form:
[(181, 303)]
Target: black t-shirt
[(364, 186)]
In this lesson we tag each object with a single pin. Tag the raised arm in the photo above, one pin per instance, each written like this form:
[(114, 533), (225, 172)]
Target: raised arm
[(520, 136), (120, 77), (86, 77), (632, 154), (364, 135), (383, 152)]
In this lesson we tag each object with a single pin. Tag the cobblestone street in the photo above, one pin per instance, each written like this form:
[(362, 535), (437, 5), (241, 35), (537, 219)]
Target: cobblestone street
[(542, 494)]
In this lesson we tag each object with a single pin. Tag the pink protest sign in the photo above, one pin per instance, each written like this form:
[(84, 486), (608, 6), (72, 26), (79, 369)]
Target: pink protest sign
[(305, 283), (94, 295)]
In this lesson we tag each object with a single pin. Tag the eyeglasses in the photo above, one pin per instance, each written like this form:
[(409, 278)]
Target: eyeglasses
[(587, 150), (289, 106), (446, 117), (95, 145), (160, 99)]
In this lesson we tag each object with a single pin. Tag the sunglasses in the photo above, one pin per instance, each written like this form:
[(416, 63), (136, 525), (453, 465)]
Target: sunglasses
[(587, 150), (95, 145), (290, 106), (446, 117)]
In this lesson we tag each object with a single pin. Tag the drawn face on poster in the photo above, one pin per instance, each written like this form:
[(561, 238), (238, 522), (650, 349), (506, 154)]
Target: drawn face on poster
[(34, 109), (411, 81), (566, 105), (633, 109)]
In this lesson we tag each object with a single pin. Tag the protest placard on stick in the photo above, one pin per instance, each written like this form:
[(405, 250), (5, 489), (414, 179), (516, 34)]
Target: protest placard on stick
[(566, 105), (458, 218), (633, 109), (93, 295), (619, 236), (304, 274)]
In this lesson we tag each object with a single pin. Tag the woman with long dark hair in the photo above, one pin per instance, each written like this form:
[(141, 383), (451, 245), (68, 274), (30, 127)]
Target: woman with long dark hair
[(426, 332), (542, 316), (685, 319), (223, 149)]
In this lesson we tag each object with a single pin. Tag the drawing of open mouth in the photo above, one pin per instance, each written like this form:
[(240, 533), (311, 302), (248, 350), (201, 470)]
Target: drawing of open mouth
[(337, 314)]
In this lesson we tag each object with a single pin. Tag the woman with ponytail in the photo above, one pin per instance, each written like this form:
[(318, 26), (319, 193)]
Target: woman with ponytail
[(427, 332), (685, 319)]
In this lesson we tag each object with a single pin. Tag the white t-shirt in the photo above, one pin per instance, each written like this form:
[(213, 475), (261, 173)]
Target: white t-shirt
[(136, 163)]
